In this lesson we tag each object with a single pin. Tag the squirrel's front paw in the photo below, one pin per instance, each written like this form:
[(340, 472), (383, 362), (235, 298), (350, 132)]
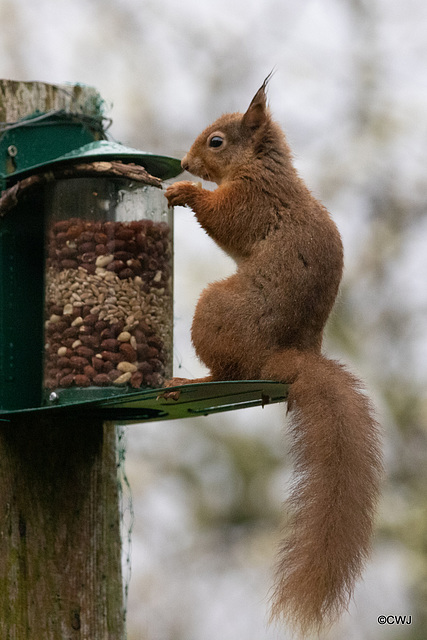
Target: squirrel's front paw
[(180, 193)]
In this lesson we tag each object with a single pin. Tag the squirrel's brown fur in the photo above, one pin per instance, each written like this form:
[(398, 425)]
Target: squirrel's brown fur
[(266, 321)]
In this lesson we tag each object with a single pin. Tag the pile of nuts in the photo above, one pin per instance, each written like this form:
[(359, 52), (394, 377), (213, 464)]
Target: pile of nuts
[(108, 300)]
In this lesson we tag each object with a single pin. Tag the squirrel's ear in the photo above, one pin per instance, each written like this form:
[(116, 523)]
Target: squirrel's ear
[(257, 113)]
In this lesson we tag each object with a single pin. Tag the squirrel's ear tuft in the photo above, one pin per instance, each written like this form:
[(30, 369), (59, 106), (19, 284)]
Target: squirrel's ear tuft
[(257, 113)]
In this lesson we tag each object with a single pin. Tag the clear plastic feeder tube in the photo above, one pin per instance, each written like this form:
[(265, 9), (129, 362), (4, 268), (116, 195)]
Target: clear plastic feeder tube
[(108, 286)]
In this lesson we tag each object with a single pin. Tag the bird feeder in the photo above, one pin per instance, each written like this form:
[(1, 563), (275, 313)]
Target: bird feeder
[(86, 295)]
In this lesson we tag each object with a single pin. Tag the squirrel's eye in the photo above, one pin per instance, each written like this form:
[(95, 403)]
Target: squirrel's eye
[(216, 141)]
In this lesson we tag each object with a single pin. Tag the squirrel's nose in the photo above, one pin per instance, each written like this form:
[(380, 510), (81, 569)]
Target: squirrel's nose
[(184, 163)]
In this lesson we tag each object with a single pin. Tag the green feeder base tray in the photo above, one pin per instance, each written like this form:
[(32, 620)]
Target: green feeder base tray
[(198, 399)]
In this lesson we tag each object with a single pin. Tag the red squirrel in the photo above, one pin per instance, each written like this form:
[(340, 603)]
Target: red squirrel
[(266, 321)]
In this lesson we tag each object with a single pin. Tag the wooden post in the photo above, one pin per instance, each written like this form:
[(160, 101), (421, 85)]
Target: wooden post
[(60, 548)]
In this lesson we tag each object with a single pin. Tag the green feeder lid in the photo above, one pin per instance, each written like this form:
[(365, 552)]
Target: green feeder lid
[(43, 140), (162, 167)]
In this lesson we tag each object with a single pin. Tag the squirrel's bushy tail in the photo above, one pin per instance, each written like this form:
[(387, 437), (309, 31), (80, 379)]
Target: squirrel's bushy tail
[(337, 457)]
